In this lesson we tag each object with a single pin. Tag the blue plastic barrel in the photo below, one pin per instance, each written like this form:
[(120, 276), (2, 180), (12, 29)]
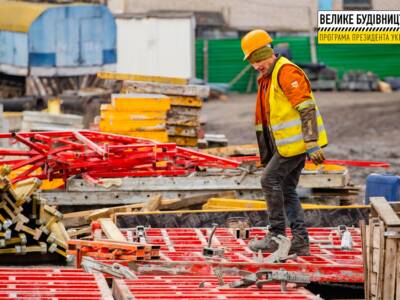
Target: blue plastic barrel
[(383, 185)]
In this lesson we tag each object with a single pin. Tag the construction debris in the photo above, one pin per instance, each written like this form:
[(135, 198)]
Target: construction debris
[(95, 155), (43, 121), (359, 81), (137, 115), (80, 218), (381, 250), (183, 120), (146, 101), (111, 250), (29, 224)]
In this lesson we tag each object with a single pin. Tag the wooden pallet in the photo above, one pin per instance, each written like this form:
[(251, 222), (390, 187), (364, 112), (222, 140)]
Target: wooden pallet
[(382, 250)]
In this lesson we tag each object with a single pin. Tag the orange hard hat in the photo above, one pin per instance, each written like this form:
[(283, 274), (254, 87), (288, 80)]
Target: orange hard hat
[(254, 40)]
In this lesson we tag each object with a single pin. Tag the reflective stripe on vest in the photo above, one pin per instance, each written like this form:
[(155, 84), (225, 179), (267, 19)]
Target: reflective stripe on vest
[(292, 123), (259, 127), (296, 138)]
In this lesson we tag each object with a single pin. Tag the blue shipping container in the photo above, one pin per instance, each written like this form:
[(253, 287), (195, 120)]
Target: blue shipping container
[(45, 39), (383, 185)]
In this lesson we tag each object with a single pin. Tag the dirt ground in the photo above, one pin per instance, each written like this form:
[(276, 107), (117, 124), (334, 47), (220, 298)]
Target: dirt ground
[(360, 126)]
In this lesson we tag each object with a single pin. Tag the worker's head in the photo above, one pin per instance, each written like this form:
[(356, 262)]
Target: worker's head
[(256, 46)]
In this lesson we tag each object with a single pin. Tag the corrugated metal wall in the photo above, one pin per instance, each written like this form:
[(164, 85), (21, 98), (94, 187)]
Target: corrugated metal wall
[(225, 59), (72, 36), (68, 37)]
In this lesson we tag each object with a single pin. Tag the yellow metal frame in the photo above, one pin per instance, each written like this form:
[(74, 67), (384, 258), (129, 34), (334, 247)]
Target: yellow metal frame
[(127, 126), (137, 115), (140, 104)]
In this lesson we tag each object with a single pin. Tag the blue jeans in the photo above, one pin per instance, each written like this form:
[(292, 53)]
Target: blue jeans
[(279, 181)]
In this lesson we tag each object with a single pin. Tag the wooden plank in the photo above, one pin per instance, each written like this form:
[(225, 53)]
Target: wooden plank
[(201, 91), (182, 131), (398, 270), (250, 149), (193, 200), (389, 283), (73, 233), (138, 77), (106, 212), (363, 230), (78, 214), (186, 101), (385, 211), (183, 120), (184, 110), (381, 277), (105, 291), (373, 284), (183, 141), (368, 263), (324, 180), (152, 204), (121, 291), (111, 230)]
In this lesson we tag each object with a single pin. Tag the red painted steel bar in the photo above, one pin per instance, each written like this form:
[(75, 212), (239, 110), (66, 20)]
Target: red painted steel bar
[(64, 154), (35, 146), (90, 144), (352, 163), (357, 163)]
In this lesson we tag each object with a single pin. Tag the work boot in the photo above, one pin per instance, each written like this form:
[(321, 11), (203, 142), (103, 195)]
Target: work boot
[(267, 244), (300, 246)]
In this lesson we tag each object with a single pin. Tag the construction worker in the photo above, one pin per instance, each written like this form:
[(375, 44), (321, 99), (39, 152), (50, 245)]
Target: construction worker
[(288, 127)]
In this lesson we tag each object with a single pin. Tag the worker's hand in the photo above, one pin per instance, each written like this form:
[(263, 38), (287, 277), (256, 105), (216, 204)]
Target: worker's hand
[(315, 153)]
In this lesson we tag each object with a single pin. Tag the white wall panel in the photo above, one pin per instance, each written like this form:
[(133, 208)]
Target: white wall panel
[(156, 46)]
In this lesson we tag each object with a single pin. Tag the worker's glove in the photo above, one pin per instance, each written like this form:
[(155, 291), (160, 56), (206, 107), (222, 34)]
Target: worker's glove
[(315, 153)]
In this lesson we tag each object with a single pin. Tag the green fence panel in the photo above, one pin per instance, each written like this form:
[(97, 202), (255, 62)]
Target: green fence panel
[(225, 59), (383, 60)]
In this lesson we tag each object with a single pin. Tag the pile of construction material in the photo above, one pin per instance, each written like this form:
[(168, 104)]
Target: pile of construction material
[(138, 115), (145, 101), (359, 81), (381, 250), (322, 78), (106, 242), (44, 121), (183, 120), (94, 155), (28, 224)]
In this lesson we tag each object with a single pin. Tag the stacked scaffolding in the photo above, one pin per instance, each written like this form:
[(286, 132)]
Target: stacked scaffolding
[(137, 115)]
